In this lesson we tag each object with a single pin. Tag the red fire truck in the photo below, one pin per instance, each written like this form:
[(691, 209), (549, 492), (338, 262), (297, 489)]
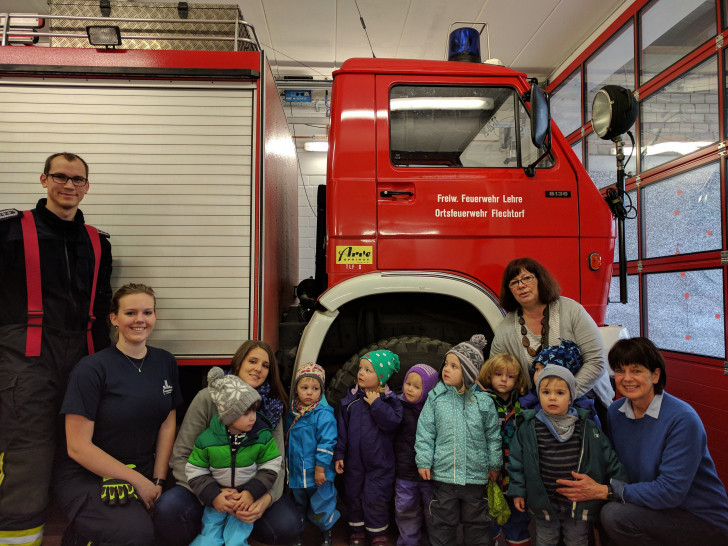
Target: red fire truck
[(434, 184)]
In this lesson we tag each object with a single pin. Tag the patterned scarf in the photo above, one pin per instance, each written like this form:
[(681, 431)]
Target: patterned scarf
[(299, 411), (270, 406)]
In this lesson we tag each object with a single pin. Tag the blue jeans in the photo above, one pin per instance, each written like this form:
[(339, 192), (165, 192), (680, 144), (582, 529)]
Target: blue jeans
[(576, 532), (629, 524), (178, 519)]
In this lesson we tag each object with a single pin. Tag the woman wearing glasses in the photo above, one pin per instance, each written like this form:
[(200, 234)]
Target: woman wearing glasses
[(538, 316)]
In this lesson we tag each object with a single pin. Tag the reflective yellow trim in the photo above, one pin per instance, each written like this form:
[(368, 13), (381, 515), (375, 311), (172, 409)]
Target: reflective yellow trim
[(24, 537), (2, 467)]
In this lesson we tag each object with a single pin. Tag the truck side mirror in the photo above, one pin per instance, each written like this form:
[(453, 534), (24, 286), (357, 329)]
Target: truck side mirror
[(540, 124), (540, 115)]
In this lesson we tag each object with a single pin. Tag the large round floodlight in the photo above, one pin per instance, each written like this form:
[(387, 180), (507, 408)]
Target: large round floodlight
[(614, 111)]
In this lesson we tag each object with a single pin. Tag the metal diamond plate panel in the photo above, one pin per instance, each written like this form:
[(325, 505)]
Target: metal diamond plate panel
[(151, 34)]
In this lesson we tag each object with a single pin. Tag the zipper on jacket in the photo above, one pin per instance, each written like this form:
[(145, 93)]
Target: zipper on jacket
[(581, 458), (233, 454)]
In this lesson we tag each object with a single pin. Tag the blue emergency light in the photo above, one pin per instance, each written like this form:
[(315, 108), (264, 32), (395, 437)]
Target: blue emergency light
[(464, 45)]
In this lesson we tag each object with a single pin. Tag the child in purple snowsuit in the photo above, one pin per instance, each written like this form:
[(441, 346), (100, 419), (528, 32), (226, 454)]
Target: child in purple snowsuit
[(368, 418), (412, 494)]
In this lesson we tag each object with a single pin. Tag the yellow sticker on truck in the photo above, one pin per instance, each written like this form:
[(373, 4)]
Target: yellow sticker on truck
[(354, 255)]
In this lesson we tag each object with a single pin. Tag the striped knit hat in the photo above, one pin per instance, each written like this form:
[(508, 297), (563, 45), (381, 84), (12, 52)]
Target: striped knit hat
[(470, 354)]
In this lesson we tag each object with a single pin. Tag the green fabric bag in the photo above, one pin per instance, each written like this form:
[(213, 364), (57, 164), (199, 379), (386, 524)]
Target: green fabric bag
[(497, 504)]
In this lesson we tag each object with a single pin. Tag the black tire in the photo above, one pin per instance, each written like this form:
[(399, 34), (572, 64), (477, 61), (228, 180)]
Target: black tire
[(410, 349)]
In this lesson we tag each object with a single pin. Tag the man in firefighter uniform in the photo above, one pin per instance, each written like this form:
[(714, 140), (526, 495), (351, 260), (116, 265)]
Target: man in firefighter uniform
[(55, 292)]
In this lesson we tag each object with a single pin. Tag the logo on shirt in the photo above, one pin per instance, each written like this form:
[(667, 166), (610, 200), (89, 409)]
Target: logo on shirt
[(166, 388)]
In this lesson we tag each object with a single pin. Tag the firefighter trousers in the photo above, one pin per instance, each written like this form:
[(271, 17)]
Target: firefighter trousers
[(31, 392)]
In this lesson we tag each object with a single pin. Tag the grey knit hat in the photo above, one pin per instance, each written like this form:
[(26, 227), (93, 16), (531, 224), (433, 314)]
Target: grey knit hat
[(553, 370), (232, 396), (470, 354)]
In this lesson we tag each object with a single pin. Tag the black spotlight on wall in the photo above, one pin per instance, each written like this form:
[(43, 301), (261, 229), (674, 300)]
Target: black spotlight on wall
[(614, 111)]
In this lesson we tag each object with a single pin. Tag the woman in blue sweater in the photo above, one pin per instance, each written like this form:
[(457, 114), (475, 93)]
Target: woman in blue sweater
[(674, 494)]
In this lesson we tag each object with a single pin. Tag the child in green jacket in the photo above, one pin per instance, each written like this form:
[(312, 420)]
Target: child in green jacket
[(234, 462), (551, 444)]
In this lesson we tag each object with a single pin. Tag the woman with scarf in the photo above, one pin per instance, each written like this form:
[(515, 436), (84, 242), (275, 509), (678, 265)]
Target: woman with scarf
[(178, 512)]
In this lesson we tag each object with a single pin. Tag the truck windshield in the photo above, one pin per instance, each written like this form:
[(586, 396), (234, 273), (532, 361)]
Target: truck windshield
[(459, 126)]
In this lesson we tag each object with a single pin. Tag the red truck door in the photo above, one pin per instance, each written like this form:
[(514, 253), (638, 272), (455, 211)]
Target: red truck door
[(451, 189)]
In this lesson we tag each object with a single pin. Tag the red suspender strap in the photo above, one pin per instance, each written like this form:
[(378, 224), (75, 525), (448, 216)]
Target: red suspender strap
[(32, 279), (93, 234)]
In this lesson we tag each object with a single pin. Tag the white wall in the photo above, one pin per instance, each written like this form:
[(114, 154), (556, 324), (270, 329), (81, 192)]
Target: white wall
[(312, 173)]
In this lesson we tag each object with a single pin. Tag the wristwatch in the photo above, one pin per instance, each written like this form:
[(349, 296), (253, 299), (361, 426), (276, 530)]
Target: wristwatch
[(610, 493), (159, 481)]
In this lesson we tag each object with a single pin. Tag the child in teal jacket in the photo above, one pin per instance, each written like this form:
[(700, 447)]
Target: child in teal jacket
[(458, 445)]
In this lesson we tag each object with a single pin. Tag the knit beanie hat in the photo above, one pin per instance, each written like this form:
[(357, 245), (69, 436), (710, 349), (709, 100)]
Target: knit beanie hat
[(232, 396), (429, 380), (385, 364), (562, 373), (567, 355), (310, 370), (470, 354)]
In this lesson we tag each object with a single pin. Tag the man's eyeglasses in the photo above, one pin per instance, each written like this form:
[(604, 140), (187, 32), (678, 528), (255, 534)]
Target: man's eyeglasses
[(60, 178), (528, 279)]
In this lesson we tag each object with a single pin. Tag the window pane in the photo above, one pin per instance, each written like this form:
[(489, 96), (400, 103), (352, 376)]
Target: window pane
[(671, 29), (630, 229), (681, 118), (628, 314), (577, 150), (602, 160), (460, 127), (685, 311), (566, 104), (613, 64), (682, 213)]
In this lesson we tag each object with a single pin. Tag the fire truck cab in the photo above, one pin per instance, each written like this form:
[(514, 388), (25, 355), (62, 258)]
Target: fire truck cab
[(434, 184)]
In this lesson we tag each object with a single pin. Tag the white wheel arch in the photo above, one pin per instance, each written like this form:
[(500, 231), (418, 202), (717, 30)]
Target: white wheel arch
[(369, 284)]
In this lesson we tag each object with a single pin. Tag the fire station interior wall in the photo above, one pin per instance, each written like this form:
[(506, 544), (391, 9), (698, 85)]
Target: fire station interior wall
[(170, 180), (313, 174)]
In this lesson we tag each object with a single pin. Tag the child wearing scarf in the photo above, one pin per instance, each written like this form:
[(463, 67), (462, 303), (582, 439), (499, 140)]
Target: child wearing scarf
[(555, 443), (310, 429), (568, 355), (412, 494)]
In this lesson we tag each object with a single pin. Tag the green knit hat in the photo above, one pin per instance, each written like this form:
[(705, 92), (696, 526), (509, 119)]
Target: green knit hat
[(385, 364)]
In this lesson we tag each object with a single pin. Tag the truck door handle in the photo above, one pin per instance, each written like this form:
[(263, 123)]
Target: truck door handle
[(392, 193)]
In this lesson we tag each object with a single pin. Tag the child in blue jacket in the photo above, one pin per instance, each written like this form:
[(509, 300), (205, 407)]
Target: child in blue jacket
[(310, 428), (458, 446), (368, 418)]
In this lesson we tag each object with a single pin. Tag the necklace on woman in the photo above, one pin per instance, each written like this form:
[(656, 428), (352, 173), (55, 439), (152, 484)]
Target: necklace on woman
[(544, 331), (139, 367)]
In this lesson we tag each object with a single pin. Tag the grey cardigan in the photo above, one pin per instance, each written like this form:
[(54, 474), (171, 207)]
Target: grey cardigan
[(196, 420), (567, 320)]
